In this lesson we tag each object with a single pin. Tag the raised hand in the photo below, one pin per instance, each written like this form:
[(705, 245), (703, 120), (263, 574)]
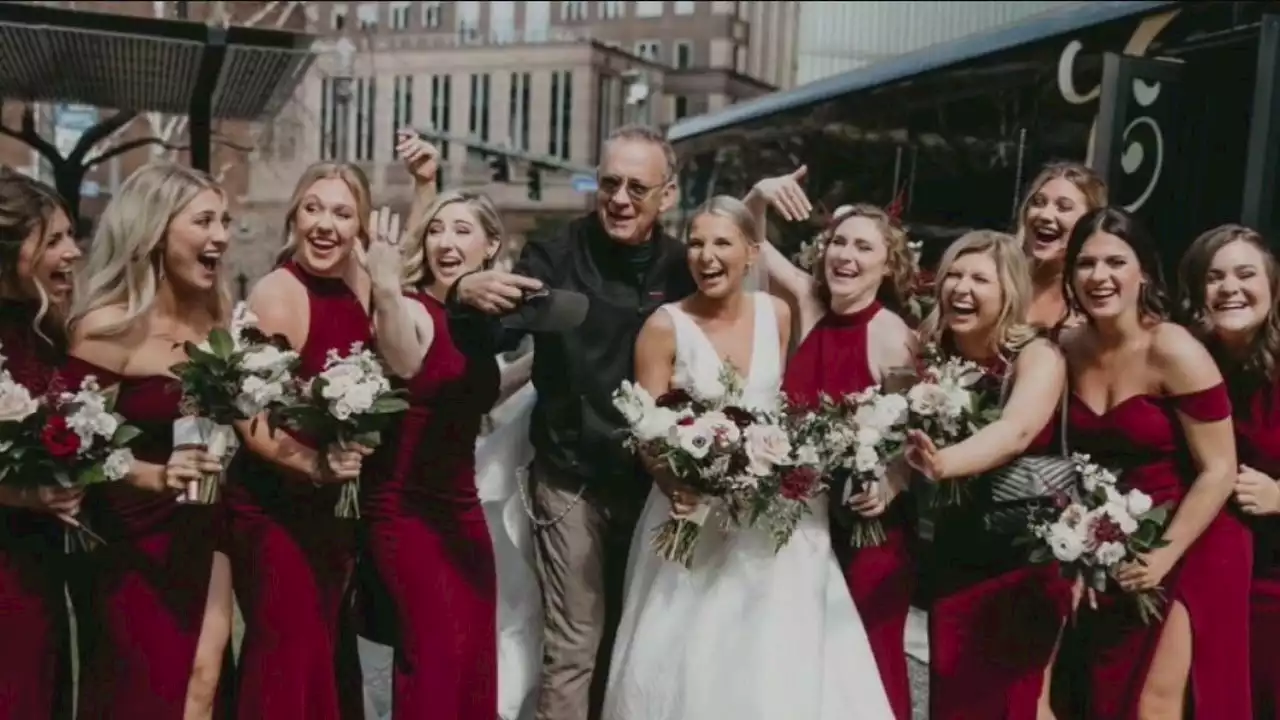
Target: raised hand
[(785, 195), (420, 157), (381, 259)]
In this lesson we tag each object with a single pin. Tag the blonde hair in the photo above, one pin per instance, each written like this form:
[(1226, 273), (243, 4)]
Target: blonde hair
[(27, 206), (735, 210), (416, 272), (1013, 273), (901, 264), (355, 180), (1082, 177), (126, 261)]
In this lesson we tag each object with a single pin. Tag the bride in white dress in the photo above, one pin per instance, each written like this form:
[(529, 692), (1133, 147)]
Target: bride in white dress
[(747, 633)]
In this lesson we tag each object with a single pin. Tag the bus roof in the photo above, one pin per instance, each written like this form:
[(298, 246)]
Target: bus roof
[(1061, 21)]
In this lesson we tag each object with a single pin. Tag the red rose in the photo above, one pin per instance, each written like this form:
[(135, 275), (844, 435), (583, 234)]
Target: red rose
[(798, 483), (58, 439)]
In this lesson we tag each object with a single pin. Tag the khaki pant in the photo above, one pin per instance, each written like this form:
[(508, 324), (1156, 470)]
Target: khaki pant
[(581, 562)]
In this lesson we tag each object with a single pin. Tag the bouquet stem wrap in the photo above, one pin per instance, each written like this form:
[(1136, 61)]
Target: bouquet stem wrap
[(677, 538), (220, 441)]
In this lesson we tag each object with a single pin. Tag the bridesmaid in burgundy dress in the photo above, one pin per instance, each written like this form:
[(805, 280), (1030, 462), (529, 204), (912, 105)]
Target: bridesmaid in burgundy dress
[(154, 604), (37, 252), (1148, 400), (427, 532), (1232, 282), (292, 558), (996, 619), (864, 254)]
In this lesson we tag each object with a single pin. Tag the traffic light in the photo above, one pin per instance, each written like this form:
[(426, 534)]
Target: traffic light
[(501, 168), (535, 183)]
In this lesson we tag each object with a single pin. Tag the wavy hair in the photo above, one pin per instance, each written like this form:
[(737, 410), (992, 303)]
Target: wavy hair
[(126, 261), (1088, 182), (355, 180), (1153, 299), (26, 207), (1013, 272), (415, 271), (1263, 355), (897, 291)]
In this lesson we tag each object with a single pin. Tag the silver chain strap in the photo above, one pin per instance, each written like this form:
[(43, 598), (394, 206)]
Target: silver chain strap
[(539, 524)]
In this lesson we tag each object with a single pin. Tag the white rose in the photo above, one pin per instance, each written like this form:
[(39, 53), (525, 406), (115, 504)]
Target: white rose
[(264, 359), (1065, 543), (807, 455), (116, 467), (340, 410), (1137, 502), (339, 378), (927, 399), (767, 446), (891, 410), (656, 424), (16, 404), (633, 402), (1109, 553), (869, 437), (723, 430), (866, 459), (1119, 514), (360, 397), (695, 439)]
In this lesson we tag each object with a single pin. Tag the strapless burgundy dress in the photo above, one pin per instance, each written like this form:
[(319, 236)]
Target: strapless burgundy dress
[(429, 540), (34, 664), (995, 617), (833, 359), (292, 559), (1257, 421), (1142, 437), (140, 598)]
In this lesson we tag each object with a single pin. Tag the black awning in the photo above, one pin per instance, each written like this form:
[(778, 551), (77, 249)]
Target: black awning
[(146, 64), (1069, 19)]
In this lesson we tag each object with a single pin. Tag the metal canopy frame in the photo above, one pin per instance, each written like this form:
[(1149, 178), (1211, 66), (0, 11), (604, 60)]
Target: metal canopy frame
[(1069, 19), (131, 63)]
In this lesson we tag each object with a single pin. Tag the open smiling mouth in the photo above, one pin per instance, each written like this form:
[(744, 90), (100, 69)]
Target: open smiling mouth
[(210, 260), (711, 274)]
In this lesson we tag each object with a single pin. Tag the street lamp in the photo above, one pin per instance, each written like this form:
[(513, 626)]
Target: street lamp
[(345, 52)]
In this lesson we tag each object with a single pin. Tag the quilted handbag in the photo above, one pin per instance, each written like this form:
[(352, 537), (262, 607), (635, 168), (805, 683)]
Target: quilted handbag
[(1032, 481)]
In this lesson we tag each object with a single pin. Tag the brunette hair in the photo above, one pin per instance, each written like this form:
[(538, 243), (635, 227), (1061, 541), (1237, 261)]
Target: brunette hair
[(1153, 300), (26, 207)]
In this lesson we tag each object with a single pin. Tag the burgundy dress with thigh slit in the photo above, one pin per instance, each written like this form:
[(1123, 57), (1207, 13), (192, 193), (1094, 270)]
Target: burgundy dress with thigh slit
[(833, 360), (34, 678), (1141, 436), (292, 559), (429, 540)]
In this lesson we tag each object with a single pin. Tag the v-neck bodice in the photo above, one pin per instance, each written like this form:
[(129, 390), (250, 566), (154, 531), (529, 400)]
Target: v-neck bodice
[(699, 362)]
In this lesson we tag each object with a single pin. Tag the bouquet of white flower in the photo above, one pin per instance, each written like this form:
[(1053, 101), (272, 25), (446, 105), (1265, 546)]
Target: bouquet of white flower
[(949, 404), (736, 459), (235, 374), (1093, 537), (349, 403)]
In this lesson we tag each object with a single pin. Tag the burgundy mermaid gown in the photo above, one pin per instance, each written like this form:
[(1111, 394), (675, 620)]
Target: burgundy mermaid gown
[(140, 598), (429, 541), (34, 665), (1257, 421), (833, 359), (995, 617), (292, 559), (1141, 436)]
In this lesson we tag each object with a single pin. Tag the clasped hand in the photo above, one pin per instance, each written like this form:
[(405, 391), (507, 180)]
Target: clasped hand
[(342, 463)]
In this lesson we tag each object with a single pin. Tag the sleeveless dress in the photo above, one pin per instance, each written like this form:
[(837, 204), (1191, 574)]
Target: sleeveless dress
[(1257, 421), (833, 359), (995, 618), (140, 598), (746, 633), (1142, 437), (429, 539), (35, 665), (292, 559)]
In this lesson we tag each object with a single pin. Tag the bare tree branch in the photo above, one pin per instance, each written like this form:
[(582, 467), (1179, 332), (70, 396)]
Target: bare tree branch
[(27, 134), (97, 134), (149, 141)]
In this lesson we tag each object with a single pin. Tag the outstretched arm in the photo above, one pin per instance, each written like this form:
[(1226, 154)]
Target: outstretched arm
[(785, 195)]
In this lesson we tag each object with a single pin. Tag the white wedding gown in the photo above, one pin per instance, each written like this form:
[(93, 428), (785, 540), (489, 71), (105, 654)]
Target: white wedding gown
[(746, 634)]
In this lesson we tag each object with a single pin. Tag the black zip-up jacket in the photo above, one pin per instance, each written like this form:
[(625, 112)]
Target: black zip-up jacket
[(575, 430)]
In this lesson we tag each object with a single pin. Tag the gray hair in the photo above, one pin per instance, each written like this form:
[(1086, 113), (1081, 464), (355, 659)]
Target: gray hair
[(652, 135)]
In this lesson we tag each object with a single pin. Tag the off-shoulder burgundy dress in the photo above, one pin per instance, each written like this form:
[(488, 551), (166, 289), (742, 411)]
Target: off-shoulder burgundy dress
[(429, 541), (292, 559), (1257, 421), (140, 598), (34, 664), (995, 617), (833, 360), (1142, 437)]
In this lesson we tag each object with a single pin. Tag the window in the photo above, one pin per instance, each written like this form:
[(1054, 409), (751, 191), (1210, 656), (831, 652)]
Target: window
[(367, 14), (683, 7), (648, 9), (479, 118), (537, 20), (609, 107), (431, 15), (441, 90), (571, 10), (468, 20), (366, 99), (328, 119), (401, 105), (338, 18), (682, 107), (502, 21), (684, 54), (400, 15), (612, 9), (561, 113), (518, 119), (649, 49)]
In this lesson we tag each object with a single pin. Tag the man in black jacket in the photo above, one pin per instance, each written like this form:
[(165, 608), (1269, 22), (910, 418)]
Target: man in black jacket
[(586, 490)]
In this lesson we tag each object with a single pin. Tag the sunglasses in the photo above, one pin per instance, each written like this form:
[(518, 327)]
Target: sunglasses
[(609, 185)]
